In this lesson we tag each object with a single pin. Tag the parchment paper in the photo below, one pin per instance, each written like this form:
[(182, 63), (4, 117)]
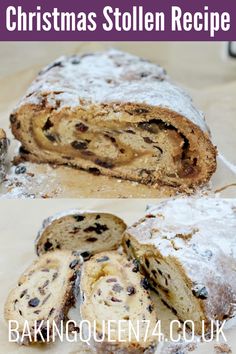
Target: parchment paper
[(200, 67), (19, 223)]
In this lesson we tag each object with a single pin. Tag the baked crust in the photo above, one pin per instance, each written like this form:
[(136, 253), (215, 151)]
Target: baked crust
[(188, 249), (115, 114), (85, 232), (45, 292)]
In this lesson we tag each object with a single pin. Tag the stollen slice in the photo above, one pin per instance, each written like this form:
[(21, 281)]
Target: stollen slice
[(112, 291), (87, 232), (44, 294)]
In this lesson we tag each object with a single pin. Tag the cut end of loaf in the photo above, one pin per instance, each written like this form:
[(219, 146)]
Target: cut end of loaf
[(179, 246), (85, 232)]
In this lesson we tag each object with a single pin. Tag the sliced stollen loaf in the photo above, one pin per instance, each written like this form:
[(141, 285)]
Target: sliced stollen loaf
[(187, 249), (87, 232), (115, 114), (112, 289), (44, 294), (4, 143)]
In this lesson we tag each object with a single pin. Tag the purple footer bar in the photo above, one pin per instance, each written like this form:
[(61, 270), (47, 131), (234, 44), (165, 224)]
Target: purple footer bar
[(99, 20)]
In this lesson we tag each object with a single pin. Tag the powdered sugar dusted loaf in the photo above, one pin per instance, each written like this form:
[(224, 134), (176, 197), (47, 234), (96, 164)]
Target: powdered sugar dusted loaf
[(115, 114), (188, 248)]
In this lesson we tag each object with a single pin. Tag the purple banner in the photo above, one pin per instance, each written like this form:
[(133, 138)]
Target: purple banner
[(99, 20)]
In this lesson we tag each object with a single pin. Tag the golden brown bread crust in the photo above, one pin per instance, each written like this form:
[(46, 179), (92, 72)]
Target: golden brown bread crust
[(147, 128)]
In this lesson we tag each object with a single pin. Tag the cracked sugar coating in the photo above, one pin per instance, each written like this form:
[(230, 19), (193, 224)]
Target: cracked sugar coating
[(198, 236)]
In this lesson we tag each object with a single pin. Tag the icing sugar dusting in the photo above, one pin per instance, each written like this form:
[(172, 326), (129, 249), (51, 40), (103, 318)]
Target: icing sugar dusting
[(109, 77), (200, 234)]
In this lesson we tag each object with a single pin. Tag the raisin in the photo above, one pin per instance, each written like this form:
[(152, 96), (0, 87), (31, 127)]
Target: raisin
[(200, 292), (13, 118), (33, 302), (20, 170), (103, 259), (98, 228), (75, 61), (129, 131), (51, 137), (47, 125), (81, 127), (55, 275), (51, 312), (111, 280), (79, 145), (160, 272), (48, 245), (117, 288), (23, 293), (104, 164), (113, 140), (150, 308), (79, 217), (127, 243), (131, 290), (147, 140), (149, 216), (147, 262), (114, 299), (22, 150), (136, 266), (92, 239), (142, 75), (98, 217), (154, 272), (86, 255), (95, 171), (145, 284), (74, 263)]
